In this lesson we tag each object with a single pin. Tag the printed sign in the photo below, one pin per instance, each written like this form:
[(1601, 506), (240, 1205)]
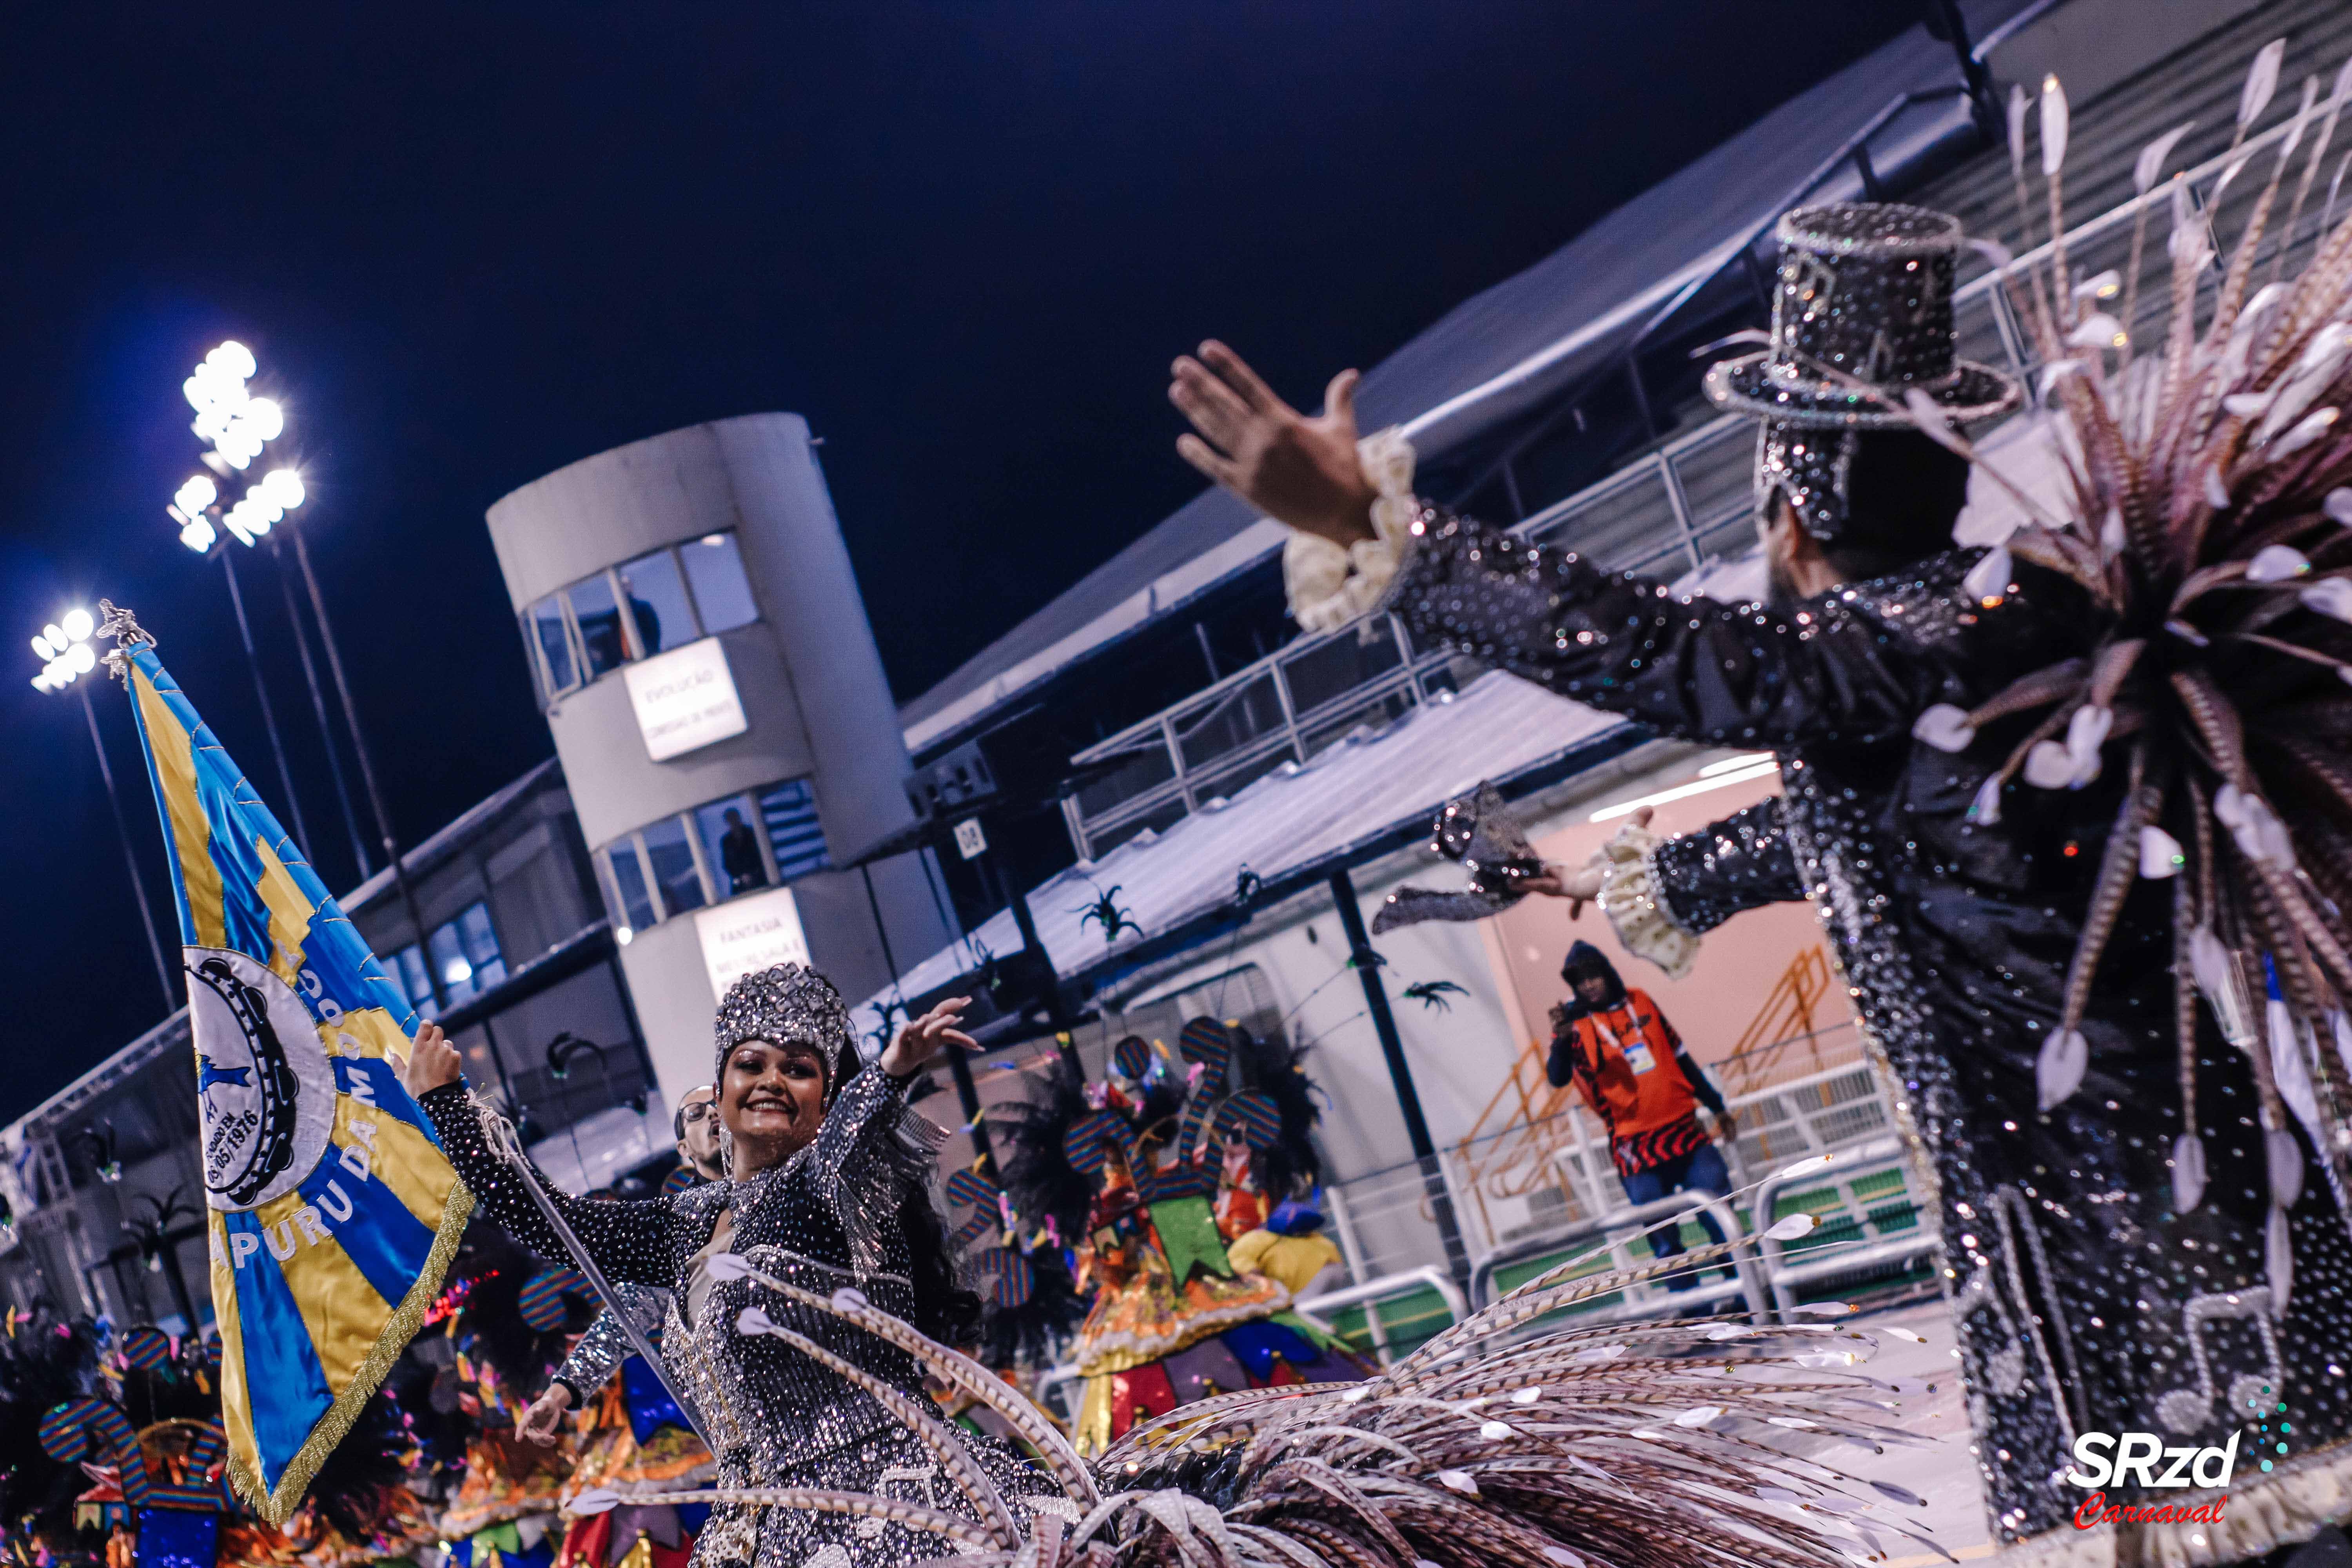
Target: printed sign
[(970, 839), (746, 934), (685, 700)]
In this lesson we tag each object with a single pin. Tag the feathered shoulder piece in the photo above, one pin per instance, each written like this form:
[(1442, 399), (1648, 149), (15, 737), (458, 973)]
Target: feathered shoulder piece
[(2207, 512)]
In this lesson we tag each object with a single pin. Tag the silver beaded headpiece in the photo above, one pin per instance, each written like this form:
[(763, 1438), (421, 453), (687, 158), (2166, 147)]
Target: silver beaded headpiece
[(792, 1003)]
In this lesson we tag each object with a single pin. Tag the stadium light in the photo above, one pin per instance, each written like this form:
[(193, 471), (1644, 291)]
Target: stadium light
[(64, 650), (66, 656)]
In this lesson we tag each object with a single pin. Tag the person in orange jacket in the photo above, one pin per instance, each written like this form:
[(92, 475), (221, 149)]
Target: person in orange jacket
[(1617, 1048)]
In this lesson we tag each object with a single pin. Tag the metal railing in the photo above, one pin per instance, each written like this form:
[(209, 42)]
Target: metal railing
[(1627, 1226), (1680, 505), (1319, 1310), (1281, 710), (1558, 1164), (1784, 1271)]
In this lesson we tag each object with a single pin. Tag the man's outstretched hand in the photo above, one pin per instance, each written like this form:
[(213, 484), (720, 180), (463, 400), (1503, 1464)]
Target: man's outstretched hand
[(1295, 469), (1582, 886)]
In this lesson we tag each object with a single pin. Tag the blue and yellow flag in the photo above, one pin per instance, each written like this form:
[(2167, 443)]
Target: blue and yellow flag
[(331, 1209)]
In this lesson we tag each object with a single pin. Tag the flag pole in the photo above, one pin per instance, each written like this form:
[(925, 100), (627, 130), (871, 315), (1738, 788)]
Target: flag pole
[(319, 706), (509, 1149)]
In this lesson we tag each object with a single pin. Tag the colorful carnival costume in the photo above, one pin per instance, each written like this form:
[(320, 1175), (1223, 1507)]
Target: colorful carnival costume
[(1125, 1165), (634, 1440), (2074, 813)]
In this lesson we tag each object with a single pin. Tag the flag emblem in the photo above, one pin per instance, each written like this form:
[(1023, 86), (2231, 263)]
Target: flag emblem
[(267, 1117), (332, 1214)]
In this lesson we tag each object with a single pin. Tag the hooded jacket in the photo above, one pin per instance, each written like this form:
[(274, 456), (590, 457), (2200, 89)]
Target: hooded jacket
[(1631, 1065)]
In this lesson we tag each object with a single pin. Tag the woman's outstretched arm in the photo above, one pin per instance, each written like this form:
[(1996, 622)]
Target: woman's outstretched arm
[(628, 1240), (868, 1157)]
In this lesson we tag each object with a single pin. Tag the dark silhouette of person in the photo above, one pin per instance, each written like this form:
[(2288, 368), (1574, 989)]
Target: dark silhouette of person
[(739, 854)]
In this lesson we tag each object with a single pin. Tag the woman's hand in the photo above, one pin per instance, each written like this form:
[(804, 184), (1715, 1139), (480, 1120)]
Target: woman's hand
[(920, 1040), (432, 1062), (538, 1424), (1297, 470), (1578, 888)]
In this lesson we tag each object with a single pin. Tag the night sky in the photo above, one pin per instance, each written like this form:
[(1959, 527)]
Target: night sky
[(469, 244)]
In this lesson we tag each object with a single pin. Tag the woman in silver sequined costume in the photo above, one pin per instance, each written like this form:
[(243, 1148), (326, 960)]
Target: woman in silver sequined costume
[(829, 1190), (2095, 1288)]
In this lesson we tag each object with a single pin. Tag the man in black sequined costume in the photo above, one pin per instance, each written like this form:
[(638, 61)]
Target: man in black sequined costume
[(829, 1190), (2083, 1301)]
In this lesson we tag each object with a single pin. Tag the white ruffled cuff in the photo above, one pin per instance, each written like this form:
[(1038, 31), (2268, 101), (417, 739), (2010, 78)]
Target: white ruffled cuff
[(1630, 897), (1329, 586)]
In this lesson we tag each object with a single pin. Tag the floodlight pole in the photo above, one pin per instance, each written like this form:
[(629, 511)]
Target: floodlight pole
[(319, 706), (130, 859), (268, 714), (367, 773)]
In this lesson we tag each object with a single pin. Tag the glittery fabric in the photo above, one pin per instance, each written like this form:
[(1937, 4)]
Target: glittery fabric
[(1862, 313), (824, 1219), (789, 1002), (1737, 864), (1809, 466), (2082, 1301), (601, 1350)]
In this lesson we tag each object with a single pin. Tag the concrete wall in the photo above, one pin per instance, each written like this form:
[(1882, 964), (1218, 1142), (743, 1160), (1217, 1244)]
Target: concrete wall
[(811, 683)]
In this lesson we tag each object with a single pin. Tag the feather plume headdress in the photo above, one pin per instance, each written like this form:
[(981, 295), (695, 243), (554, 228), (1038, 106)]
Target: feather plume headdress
[(1630, 1445), (2207, 514)]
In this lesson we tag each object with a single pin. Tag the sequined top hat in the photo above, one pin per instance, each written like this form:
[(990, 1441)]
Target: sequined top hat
[(1863, 314)]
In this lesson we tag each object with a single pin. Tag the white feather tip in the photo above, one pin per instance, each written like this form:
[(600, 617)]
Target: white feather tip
[(1944, 727), (2329, 597), (2160, 853), (2261, 82), (2276, 563), (1989, 578), (2284, 1157), (2058, 1071), (2053, 126), (2152, 157), (2302, 117), (2188, 1173), (2278, 1260)]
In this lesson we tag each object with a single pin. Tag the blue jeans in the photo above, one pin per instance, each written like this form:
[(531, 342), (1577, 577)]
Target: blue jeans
[(1699, 1171)]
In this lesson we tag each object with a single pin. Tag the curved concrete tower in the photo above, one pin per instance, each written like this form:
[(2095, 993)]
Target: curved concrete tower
[(706, 666)]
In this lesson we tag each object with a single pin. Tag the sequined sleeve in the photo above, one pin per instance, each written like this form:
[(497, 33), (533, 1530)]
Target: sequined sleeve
[(632, 1241), (872, 1155), (605, 1345), (1725, 674), (1704, 879)]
